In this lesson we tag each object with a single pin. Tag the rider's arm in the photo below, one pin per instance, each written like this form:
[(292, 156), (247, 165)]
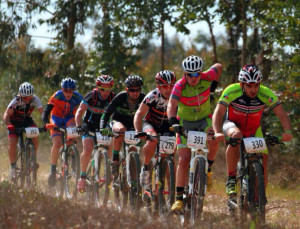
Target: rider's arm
[(285, 122), (218, 117), (138, 117), (218, 68), (46, 113), (40, 110), (6, 116), (109, 110), (80, 111), (172, 107)]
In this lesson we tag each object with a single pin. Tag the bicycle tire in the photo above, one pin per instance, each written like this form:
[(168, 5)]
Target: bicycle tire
[(257, 196), (197, 197), (19, 181), (102, 178), (90, 178), (71, 172), (59, 188), (31, 165), (166, 189), (150, 197), (134, 170)]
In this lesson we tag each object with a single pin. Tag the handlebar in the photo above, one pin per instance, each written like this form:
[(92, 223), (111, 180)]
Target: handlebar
[(270, 139)]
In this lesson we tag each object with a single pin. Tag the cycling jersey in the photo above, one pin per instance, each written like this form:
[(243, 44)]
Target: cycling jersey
[(63, 108), (194, 102), (157, 114), (121, 110), (246, 112), (95, 108), (21, 110)]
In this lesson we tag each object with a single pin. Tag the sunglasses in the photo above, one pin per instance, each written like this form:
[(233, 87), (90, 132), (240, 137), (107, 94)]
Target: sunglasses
[(134, 89), (166, 86), (193, 74), (105, 89), (26, 97), (68, 91)]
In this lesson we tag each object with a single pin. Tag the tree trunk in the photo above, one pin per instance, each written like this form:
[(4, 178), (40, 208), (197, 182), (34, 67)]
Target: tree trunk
[(162, 51), (213, 40), (71, 27), (244, 29)]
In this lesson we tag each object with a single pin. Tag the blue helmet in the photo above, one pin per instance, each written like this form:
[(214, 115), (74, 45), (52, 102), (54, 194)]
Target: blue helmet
[(68, 83)]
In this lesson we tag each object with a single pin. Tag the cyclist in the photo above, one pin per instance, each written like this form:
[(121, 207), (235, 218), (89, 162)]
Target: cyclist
[(191, 95), (92, 106), (243, 103), (17, 115), (122, 108), (154, 107), (62, 105)]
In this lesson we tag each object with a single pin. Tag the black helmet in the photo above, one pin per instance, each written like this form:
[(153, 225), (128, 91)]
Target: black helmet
[(133, 81)]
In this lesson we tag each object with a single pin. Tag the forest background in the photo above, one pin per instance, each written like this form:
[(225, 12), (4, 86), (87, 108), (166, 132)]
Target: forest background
[(265, 33)]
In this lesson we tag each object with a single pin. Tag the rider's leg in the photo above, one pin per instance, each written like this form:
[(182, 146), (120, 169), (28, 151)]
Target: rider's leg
[(12, 151), (88, 145)]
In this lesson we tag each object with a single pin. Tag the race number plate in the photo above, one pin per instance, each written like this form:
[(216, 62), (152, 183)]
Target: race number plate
[(254, 145), (130, 139), (102, 139), (167, 144), (196, 139), (72, 132), (32, 132)]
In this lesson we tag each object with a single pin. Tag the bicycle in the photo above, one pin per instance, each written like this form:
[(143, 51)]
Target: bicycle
[(162, 176), (251, 185), (127, 181), (98, 171), (69, 163), (27, 165)]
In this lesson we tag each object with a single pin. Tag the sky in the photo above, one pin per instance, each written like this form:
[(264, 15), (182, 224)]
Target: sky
[(41, 36)]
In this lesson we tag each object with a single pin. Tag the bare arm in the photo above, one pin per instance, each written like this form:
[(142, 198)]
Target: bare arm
[(172, 108), (285, 122), (138, 117), (218, 67), (80, 111), (6, 116), (41, 110), (218, 117)]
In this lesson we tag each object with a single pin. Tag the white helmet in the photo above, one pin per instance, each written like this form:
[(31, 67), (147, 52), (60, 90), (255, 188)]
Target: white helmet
[(192, 64), (26, 89), (250, 74)]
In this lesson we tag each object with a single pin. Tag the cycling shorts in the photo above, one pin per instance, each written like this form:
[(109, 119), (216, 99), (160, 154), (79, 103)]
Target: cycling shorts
[(61, 122), (204, 125), (28, 122), (163, 129), (228, 125)]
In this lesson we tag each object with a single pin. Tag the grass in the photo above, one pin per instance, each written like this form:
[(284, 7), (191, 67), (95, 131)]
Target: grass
[(36, 209)]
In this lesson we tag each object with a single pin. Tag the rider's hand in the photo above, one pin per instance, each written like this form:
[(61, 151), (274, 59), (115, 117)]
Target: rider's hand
[(220, 137), (140, 134), (173, 120), (104, 131), (11, 127), (287, 136), (177, 128)]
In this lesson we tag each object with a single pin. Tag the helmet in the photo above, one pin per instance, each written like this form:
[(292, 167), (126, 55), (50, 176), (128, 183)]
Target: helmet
[(68, 83), (250, 74), (165, 77), (105, 79), (192, 64), (133, 81), (26, 89)]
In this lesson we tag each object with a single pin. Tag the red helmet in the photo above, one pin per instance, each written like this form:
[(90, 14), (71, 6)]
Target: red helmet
[(165, 77), (105, 79)]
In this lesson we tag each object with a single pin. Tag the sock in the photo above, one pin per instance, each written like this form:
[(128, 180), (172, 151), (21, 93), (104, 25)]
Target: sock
[(83, 175), (116, 155), (179, 193), (146, 167), (210, 164), (53, 169)]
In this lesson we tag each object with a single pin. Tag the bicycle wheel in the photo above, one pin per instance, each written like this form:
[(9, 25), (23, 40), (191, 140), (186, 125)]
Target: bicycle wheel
[(166, 189), (59, 188), (90, 181), (133, 171), (257, 196), (198, 189), (102, 178), (121, 186), (19, 180), (150, 197), (31, 165), (71, 172)]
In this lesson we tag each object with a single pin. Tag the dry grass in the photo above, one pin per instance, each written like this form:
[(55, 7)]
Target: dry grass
[(35, 209)]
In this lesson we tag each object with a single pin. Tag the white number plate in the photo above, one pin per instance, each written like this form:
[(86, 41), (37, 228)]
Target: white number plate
[(32, 132), (72, 132), (167, 144), (103, 139), (254, 145), (129, 138), (196, 139)]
